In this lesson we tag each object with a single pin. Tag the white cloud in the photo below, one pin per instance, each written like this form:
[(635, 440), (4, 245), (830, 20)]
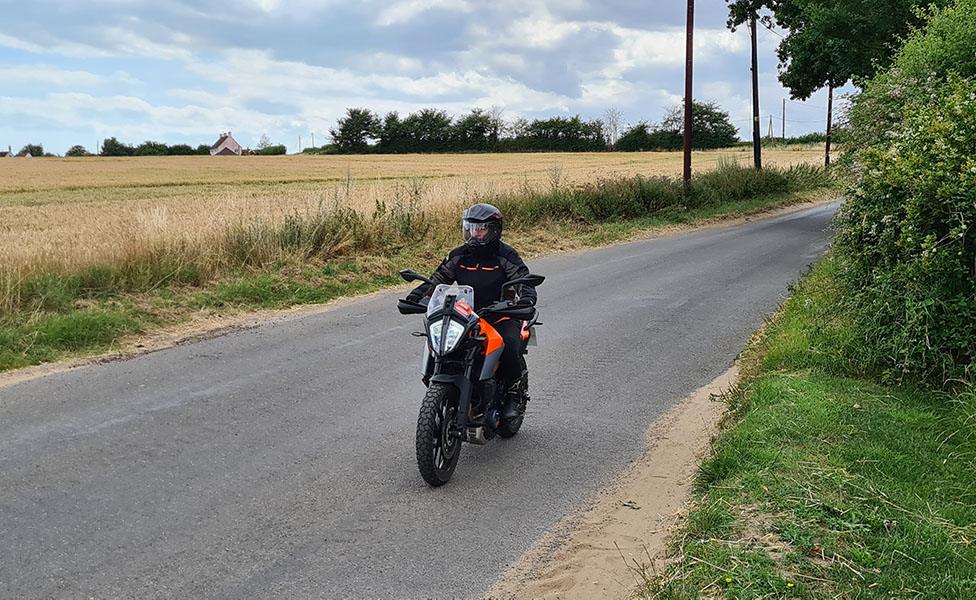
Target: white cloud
[(48, 75), (267, 5), (403, 11), (62, 47), (640, 48), (113, 42), (540, 30)]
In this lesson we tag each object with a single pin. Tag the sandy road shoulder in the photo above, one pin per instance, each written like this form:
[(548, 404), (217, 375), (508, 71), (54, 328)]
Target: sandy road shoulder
[(592, 552)]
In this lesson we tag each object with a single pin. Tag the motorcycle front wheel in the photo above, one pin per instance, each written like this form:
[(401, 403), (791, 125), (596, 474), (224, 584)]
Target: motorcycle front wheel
[(437, 450)]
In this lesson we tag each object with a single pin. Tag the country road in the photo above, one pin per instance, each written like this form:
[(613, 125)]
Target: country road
[(278, 461)]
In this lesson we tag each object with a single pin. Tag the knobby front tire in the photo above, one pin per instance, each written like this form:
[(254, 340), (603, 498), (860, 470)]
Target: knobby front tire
[(437, 452)]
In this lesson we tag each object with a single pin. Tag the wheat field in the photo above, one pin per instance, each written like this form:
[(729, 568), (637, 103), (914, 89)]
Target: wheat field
[(64, 214)]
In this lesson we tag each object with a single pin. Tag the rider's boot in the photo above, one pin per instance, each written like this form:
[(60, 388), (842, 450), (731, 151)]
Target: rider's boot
[(513, 396)]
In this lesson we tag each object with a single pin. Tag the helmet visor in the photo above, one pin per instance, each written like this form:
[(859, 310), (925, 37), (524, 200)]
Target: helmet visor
[(480, 233)]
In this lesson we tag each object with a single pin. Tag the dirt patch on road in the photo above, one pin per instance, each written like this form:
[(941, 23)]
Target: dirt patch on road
[(599, 551)]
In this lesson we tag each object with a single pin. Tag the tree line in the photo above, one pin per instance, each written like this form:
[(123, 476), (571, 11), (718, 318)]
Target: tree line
[(361, 131), (431, 130), (113, 147)]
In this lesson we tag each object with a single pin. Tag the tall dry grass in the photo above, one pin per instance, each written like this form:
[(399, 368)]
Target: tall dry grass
[(63, 241), (69, 214)]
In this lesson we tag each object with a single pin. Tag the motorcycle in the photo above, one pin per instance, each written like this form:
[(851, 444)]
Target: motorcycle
[(465, 397)]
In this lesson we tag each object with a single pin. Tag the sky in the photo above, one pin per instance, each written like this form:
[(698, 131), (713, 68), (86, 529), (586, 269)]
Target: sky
[(181, 71)]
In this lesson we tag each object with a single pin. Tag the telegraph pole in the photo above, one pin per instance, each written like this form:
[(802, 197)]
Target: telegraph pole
[(830, 115), (784, 119), (756, 144), (689, 51)]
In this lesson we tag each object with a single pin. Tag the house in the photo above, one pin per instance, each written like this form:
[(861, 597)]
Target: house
[(8, 153), (226, 146), (25, 153)]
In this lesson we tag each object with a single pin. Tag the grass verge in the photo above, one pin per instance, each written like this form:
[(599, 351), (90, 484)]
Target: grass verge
[(48, 314), (825, 485)]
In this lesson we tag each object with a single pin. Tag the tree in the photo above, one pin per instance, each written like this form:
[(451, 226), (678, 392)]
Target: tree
[(151, 148), (497, 116), (180, 150), (272, 150), (518, 127), (113, 147), (710, 126), (392, 138), (33, 149), (473, 131), (428, 130), (202, 149), (831, 42), (355, 131), (264, 142), (77, 150), (611, 119)]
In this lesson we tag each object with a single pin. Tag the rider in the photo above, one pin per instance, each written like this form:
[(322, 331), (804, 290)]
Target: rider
[(485, 262)]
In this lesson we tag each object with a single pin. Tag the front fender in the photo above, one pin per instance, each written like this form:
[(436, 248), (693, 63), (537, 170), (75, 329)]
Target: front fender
[(457, 381), (464, 394)]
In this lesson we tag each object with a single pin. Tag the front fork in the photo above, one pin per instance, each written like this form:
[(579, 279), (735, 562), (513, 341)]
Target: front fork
[(465, 389)]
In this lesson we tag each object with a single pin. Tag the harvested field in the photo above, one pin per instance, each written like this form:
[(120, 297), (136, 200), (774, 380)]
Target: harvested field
[(71, 213)]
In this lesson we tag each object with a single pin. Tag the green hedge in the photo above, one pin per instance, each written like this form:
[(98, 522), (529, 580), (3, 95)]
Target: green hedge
[(907, 240)]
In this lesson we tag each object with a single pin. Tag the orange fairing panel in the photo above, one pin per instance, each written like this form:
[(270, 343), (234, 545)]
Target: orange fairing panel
[(494, 341)]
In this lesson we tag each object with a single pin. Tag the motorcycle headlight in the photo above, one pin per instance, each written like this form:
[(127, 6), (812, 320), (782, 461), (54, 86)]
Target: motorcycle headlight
[(435, 335), (453, 335), (454, 331)]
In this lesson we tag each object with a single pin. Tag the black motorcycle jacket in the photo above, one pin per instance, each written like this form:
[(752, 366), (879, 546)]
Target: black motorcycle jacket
[(485, 269)]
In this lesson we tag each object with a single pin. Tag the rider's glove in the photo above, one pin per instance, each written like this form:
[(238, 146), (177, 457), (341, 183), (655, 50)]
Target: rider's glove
[(525, 302)]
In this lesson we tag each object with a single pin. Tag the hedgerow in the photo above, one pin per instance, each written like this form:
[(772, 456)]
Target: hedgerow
[(907, 240)]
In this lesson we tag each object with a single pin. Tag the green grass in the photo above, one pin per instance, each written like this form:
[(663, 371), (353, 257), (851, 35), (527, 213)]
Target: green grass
[(316, 258), (47, 336), (824, 485)]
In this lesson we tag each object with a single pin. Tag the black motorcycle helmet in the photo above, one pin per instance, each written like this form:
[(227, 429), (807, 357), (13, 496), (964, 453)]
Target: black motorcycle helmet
[(481, 225)]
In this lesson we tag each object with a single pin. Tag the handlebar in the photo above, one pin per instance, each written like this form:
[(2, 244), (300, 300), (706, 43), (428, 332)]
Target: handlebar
[(406, 307), (507, 309)]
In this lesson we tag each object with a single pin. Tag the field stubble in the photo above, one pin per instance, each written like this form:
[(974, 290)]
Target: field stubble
[(133, 250), (62, 215)]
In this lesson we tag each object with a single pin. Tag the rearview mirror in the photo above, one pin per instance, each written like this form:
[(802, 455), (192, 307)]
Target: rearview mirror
[(411, 275)]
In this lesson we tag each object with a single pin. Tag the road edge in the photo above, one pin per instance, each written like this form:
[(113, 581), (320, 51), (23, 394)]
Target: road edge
[(604, 549), (208, 327)]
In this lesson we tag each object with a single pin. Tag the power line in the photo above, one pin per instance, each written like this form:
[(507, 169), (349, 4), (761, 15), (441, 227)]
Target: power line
[(770, 30), (805, 105)]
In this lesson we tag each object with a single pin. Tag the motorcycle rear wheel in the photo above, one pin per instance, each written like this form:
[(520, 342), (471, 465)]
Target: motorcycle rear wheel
[(437, 451)]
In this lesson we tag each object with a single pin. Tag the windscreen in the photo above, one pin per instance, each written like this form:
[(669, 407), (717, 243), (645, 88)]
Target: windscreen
[(441, 292)]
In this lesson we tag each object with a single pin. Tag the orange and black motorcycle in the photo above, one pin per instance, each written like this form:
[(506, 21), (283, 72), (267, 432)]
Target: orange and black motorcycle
[(464, 395)]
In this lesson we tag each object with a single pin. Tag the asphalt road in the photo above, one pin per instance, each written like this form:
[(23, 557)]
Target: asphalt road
[(279, 460)]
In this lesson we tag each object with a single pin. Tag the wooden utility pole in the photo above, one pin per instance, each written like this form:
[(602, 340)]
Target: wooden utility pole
[(689, 51), (784, 119), (756, 142), (830, 118)]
